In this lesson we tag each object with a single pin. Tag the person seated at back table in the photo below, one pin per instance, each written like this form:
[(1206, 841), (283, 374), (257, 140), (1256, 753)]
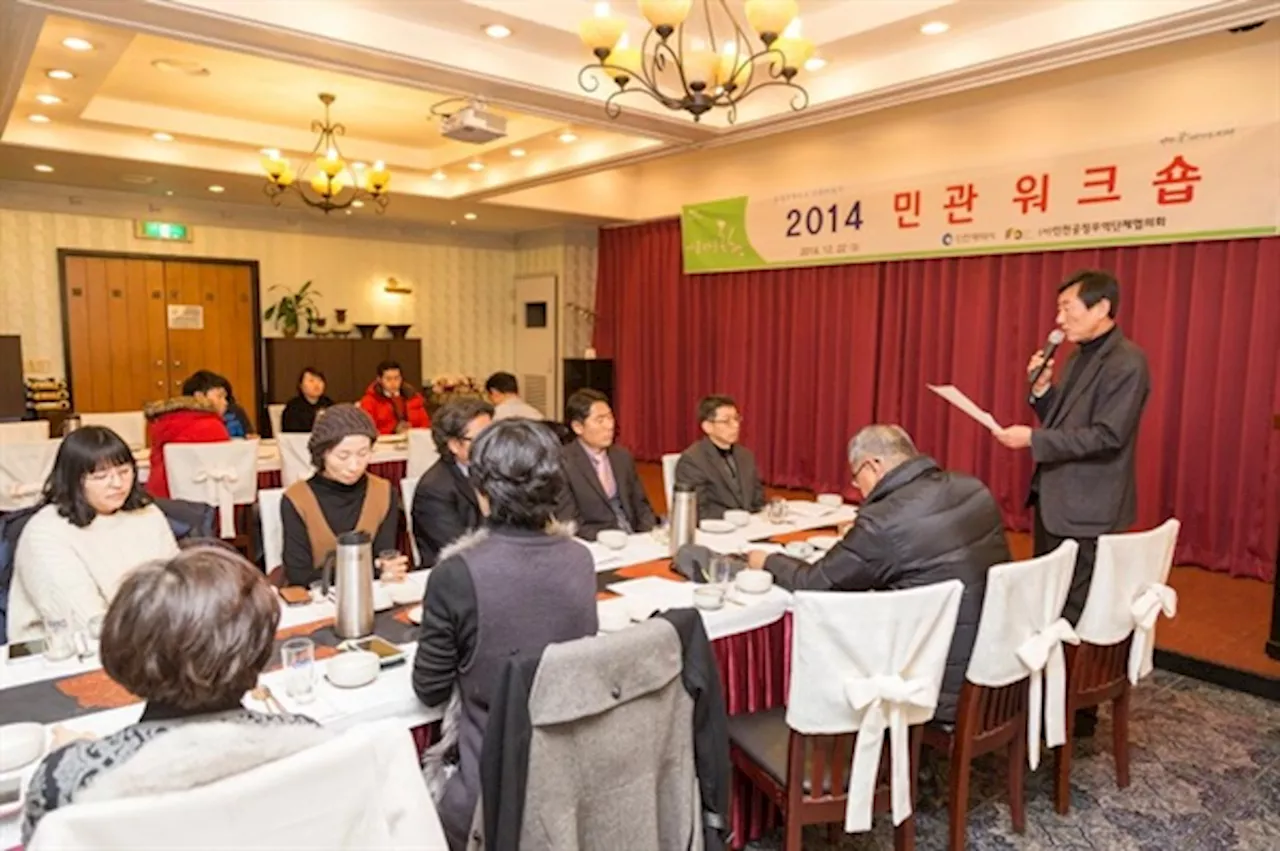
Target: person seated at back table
[(393, 405), (194, 417), (504, 393), (235, 417), (189, 635), (343, 496), (604, 490), (917, 525), (515, 586), (445, 503), (721, 471), (299, 413), (97, 524)]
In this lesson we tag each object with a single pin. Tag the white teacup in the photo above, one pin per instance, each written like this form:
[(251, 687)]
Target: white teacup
[(614, 539), (708, 597), (754, 581), (738, 518), (831, 500)]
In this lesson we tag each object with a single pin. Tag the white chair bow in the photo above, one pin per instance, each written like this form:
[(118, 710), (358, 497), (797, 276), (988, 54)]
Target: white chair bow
[(1043, 656), (1145, 610), (885, 699), (218, 482)]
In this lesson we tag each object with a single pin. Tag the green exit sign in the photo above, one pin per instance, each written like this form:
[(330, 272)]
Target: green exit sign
[(167, 231)]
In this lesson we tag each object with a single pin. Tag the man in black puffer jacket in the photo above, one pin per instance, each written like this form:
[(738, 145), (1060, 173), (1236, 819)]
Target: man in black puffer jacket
[(917, 525)]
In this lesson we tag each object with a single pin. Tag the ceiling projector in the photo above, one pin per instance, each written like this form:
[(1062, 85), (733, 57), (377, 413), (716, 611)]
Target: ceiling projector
[(474, 125)]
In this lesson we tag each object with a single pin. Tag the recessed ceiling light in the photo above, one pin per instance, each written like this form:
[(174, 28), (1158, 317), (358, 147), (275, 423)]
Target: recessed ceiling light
[(59, 74), (168, 192), (471, 217), (38, 119), (497, 31), (475, 165), (48, 100), (438, 175), (271, 153), (77, 44), (517, 152), (215, 189), (568, 136), (44, 169), (161, 137), (815, 63), (935, 28), (349, 212), (357, 204), (454, 222), (180, 66)]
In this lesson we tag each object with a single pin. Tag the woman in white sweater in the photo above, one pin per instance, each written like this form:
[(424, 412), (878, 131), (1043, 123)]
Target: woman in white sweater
[(97, 524)]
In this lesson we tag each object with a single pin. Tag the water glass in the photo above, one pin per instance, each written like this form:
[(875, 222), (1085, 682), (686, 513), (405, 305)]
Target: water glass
[(299, 655), (93, 634), (777, 511), (718, 570), (59, 640)]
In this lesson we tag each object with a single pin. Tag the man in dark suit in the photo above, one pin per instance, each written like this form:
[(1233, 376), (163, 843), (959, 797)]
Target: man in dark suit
[(1084, 483), (722, 473), (445, 505), (604, 490)]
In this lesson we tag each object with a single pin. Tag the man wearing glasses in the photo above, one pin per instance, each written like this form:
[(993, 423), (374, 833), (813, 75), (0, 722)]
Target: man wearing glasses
[(722, 472)]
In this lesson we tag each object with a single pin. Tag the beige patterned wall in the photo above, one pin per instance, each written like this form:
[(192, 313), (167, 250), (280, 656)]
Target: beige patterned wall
[(461, 306), (570, 255)]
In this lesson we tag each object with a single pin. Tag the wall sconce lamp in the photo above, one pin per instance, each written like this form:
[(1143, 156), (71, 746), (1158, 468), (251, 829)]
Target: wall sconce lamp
[(394, 286)]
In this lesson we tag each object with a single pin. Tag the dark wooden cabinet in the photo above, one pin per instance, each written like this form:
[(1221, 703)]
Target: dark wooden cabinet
[(348, 365), (13, 395)]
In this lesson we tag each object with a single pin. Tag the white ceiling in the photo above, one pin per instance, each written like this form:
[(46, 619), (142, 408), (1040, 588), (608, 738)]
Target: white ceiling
[(389, 60)]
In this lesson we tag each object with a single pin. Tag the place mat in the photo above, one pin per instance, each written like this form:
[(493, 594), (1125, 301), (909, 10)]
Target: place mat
[(53, 701)]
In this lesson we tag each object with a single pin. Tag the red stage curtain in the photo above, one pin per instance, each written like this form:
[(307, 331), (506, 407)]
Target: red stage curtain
[(813, 354)]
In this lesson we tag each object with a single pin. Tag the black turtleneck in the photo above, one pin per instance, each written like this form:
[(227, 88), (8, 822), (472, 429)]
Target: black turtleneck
[(726, 455), (1085, 353), (340, 504)]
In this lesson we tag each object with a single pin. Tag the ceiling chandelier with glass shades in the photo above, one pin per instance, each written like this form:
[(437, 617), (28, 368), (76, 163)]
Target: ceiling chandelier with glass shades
[(327, 183), (697, 60)]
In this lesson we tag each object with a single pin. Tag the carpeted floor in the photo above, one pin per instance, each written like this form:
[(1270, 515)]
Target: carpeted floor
[(1205, 777)]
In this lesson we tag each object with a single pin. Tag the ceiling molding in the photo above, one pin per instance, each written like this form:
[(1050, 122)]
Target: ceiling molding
[(72, 200)]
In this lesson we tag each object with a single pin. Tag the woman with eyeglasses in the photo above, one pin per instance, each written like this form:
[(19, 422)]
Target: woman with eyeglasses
[(96, 524)]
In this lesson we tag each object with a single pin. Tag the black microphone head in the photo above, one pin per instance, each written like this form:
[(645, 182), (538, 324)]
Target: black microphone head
[(1056, 337)]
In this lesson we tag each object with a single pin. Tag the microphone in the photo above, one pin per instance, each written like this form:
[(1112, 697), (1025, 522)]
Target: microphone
[(1055, 339)]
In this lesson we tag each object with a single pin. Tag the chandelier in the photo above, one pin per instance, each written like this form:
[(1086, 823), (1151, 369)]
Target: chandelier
[(682, 70), (331, 185)]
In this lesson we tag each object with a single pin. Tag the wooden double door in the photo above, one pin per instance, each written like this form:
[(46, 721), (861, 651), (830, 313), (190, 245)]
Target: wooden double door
[(137, 327)]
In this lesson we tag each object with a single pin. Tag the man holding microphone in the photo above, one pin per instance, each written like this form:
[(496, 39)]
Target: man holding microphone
[(1084, 484)]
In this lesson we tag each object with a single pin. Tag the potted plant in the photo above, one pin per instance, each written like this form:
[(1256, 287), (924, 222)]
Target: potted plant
[(292, 309)]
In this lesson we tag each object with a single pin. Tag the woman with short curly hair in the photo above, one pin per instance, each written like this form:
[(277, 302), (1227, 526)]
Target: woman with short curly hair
[(520, 583)]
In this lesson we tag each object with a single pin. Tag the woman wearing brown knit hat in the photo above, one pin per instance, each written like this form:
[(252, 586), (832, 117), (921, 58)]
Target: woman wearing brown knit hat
[(341, 497)]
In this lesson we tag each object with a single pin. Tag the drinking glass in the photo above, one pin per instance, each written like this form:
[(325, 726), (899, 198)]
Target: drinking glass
[(93, 634), (777, 511), (718, 570), (59, 640), (299, 655), (386, 557)]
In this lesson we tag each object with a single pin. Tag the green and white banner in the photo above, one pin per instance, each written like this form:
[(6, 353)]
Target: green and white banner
[(1219, 183)]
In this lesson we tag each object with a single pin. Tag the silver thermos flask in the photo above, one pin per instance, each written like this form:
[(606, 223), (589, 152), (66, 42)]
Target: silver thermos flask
[(684, 518), (353, 578)]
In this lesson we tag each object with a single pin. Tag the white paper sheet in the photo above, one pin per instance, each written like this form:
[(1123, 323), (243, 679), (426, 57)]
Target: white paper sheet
[(965, 404)]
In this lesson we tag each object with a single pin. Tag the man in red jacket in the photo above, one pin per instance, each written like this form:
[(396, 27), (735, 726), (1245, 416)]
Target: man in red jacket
[(394, 405), (193, 417)]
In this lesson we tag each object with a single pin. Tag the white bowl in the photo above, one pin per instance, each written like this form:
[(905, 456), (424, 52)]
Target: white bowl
[(800, 549), (708, 597), (353, 669), (831, 500), (20, 744), (738, 518), (716, 527), (824, 542), (403, 593), (614, 539), (754, 581)]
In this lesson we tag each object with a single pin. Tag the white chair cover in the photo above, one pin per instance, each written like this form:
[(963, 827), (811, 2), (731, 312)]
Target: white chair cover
[(383, 805), (130, 425), (272, 527), (1022, 632), (1129, 591), (422, 452), (868, 663), (669, 462), (24, 468), (25, 431), (407, 487), (223, 474), (295, 458), (275, 415)]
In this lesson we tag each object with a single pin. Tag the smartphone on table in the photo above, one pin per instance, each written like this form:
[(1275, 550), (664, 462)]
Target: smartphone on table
[(389, 655)]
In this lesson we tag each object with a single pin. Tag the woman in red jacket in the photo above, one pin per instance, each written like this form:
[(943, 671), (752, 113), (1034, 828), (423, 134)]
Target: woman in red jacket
[(193, 417), (394, 405)]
